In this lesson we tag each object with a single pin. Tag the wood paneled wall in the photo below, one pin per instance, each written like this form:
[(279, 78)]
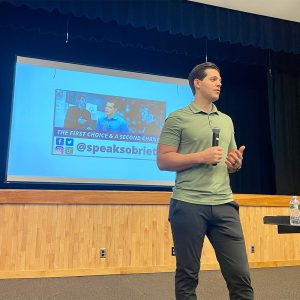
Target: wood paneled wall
[(44, 239)]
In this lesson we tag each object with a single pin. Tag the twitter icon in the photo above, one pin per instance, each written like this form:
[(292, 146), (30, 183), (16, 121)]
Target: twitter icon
[(70, 142)]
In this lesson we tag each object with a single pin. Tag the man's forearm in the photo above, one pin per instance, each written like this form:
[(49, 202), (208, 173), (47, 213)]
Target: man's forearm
[(176, 161)]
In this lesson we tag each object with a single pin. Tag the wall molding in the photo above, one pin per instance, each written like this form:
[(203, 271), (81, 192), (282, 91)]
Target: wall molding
[(15, 196)]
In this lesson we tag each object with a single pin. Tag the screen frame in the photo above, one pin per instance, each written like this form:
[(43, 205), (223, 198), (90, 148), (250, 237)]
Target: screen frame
[(85, 182)]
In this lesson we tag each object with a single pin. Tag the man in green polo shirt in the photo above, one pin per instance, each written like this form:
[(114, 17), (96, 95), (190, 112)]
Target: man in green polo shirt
[(202, 202)]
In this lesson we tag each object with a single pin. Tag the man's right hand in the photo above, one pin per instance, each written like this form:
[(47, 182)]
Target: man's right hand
[(81, 121), (212, 155)]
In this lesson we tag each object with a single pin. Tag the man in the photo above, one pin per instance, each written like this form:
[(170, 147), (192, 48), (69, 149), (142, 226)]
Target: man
[(78, 117), (202, 202), (148, 125), (111, 122)]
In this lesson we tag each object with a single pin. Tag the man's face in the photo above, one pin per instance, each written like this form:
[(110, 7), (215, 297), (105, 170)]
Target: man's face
[(81, 102), (110, 109), (210, 87)]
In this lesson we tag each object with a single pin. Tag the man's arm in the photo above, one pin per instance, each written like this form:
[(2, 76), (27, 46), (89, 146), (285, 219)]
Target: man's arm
[(98, 124), (168, 159), (123, 126), (70, 118)]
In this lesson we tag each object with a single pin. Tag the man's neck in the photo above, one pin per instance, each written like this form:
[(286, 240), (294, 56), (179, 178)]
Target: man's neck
[(205, 105)]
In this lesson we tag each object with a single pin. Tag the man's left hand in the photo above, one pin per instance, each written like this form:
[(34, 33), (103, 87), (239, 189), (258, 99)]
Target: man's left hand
[(234, 159)]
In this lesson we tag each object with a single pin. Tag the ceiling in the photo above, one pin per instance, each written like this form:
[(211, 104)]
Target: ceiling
[(281, 9)]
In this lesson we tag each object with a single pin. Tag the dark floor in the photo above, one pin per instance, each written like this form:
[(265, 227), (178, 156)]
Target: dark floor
[(269, 283)]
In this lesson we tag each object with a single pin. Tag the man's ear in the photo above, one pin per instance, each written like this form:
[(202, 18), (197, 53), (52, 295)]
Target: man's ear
[(197, 82)]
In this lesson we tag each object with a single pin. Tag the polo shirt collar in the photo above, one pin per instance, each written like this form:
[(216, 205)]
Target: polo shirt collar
[(195, 109), (115, 117)]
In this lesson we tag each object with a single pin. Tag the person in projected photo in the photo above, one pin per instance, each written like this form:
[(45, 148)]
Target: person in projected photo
[(78, 117), (111, 121), (202, 203), (148, 122)]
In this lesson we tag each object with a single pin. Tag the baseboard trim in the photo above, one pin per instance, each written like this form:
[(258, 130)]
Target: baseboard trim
[(128, 270), (274, 264)]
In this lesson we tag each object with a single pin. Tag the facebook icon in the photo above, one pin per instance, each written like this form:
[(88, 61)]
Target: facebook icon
[(59, 141)]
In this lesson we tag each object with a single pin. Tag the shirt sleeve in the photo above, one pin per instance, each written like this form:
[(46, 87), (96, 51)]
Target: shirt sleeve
[(171, 132)]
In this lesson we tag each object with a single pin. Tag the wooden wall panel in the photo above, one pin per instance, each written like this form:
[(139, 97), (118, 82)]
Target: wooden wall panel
[(269, 245), (38, 240), (68, 237)]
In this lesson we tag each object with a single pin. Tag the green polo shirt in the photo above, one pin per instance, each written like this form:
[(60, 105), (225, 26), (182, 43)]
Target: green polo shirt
[(190, 130)]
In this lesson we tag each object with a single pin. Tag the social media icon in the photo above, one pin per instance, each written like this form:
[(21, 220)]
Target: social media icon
[(59, 150), (69, 150), (70, 142), (59, 141)]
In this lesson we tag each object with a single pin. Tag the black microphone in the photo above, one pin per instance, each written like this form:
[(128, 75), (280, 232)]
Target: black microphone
[(215, 138)]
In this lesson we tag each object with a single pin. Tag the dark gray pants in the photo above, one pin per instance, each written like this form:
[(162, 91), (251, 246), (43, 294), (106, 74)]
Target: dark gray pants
[(221, 224)]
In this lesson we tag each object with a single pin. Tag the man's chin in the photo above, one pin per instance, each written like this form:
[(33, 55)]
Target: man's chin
[(215, 99)]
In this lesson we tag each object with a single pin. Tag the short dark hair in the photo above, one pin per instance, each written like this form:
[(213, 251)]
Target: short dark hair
[(198, 72), (79, 97), (114, 102)]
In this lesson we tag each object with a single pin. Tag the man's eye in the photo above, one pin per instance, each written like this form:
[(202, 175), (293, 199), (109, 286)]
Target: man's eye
[(214, 79)]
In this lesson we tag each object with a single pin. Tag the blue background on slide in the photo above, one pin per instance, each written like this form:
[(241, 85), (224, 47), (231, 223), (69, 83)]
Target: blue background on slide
[(33, 119)]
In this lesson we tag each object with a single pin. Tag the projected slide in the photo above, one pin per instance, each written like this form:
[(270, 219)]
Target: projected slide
[(80, 124), (99, 125)]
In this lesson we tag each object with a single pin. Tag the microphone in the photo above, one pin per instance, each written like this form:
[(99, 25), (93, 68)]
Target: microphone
[(215, 138)]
